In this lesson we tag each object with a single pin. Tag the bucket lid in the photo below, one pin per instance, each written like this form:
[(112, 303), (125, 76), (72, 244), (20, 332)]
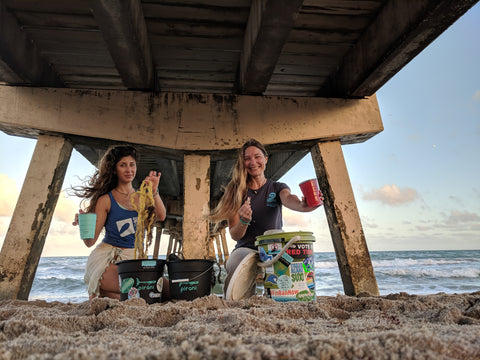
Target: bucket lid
[(284, 236)]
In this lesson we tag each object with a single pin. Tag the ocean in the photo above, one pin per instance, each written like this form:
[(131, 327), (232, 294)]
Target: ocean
[(413, 272)]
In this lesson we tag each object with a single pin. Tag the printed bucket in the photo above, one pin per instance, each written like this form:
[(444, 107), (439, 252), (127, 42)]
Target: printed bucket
[(292, 277), (141, 278), (190, 279)]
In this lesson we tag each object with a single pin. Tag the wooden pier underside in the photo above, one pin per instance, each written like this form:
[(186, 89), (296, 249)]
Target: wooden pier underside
[(199, 133), (187, 82)]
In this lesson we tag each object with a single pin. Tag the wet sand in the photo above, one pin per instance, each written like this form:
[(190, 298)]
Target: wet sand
[(396, 326)]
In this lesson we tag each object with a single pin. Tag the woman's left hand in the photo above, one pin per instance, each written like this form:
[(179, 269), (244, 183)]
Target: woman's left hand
[(154, 178)]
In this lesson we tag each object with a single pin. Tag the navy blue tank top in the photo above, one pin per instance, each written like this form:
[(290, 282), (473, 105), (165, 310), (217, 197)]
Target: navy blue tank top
[(120, 226)]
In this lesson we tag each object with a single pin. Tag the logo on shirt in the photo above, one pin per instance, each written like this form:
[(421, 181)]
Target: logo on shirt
[(126, 227), (272, 200)]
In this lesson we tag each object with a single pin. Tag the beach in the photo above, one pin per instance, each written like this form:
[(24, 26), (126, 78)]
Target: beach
[(394, 326)]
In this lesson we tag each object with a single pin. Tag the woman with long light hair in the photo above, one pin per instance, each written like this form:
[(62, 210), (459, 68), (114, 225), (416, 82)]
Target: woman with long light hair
[(252, 204)]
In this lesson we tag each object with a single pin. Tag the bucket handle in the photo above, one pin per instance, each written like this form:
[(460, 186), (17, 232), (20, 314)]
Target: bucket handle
[(201, 274), (279, 255)]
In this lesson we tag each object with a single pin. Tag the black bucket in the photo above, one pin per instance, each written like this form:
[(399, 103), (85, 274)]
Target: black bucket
[(190, 279), (141, 278)]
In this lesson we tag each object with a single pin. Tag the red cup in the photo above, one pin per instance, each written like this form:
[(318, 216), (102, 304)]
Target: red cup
[(311, 192)]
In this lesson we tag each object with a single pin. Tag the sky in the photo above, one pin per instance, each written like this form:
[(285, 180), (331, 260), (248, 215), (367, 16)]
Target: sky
[(416, 184)]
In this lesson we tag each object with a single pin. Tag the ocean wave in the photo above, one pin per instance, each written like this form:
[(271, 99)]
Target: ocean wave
[(395, 263), (435, 273)]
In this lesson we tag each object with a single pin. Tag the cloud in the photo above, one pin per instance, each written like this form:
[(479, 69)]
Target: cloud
[(423, 228), (415, 138), (295, 219), (368, 222), (392, 195), (8, 195), (66, 208), (476, 96), (458, 217)]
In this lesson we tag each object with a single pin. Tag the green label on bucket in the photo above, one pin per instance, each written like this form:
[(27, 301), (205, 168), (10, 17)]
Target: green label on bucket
[(126, 285), (149, 263)]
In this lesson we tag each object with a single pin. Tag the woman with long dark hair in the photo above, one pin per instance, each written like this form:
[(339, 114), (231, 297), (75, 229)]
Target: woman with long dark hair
[(109, 193)]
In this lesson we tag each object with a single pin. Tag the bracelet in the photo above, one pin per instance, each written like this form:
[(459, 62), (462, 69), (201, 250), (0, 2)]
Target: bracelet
[(155, 193), (244, 222)]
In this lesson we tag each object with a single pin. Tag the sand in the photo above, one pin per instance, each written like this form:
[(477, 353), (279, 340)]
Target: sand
[(396, 326)]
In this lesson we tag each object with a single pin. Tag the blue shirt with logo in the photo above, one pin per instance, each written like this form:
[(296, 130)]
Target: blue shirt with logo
[(120, 225)]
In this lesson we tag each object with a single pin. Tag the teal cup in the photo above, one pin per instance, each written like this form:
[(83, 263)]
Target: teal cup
[(87, 223)]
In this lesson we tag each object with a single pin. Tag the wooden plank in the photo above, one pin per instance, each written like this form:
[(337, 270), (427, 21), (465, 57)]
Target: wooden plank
[(219, 249), (69, 70), (297, 79), (196, 75), (158, 238), (397, 35), (203, 29), (123, 27), (321, 36), (224, 244), (224, 13), (328, 62), (19, 58), (208, 3), (93, 79), (167, 83), (344, 222), (289, 87), (67, 37), (268, 28), (193, 64), (299, 93), (191, 42), (83, 60), (172, 52), (342, 7), (79, 7), (325, 50), (31, 218), (187, 121), (332, 22), (35, 20), (319, 70)]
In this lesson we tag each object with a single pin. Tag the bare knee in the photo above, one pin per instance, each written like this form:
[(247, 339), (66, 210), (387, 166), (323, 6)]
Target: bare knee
[(109, 286)]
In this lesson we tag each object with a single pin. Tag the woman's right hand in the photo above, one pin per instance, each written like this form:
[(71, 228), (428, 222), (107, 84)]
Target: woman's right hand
[(245, 212), (75, 221)]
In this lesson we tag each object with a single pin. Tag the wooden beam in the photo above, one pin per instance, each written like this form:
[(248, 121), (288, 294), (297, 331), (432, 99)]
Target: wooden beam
[(123, 27), (158, 238), (20, 61), (287, 163), (343, 219), (399, 33), (196, 206), (190, 122), (268, 27), (31, 218)]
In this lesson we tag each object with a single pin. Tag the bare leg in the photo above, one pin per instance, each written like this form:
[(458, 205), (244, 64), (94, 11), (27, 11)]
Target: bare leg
[(109, 286)]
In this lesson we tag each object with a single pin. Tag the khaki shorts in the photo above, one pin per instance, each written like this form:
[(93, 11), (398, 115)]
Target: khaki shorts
[(98, 261)]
